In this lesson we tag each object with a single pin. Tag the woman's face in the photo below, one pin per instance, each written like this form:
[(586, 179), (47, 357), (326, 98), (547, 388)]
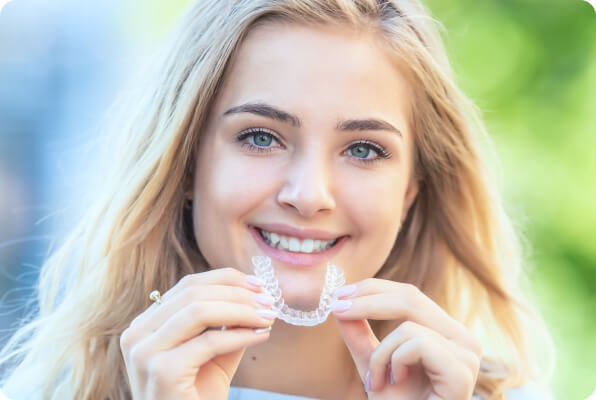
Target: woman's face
[(309, 131)]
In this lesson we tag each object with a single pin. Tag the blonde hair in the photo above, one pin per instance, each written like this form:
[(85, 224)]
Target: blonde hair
[(456, 244)]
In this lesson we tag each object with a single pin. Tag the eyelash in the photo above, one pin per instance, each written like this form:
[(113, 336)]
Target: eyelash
[(252, 132)]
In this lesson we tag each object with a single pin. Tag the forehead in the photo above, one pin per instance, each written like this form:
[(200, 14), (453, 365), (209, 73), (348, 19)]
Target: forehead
[(320, 73)]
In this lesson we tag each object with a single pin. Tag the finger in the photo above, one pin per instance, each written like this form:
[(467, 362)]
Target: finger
[(381, 356), (383, 299), (193, 354), (203, 348), (193, 319), (152, 318), (192, 282), (450, 380), (360, 341), (220, 276)]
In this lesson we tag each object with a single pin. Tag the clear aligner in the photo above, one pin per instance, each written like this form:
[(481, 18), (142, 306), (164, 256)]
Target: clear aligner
[(334, 278)]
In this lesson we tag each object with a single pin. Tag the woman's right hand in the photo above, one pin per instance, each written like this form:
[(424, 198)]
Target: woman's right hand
[(168, 349)]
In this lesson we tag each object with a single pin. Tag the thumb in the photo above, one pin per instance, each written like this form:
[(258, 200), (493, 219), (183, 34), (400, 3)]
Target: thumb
[(360, 340), (215, 377), (230, 362), (217, 374)]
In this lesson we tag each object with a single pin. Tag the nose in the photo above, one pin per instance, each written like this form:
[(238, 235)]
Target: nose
[(307, 187)]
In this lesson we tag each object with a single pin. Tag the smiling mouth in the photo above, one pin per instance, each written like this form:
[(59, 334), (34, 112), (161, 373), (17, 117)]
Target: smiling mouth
[(295, 245)]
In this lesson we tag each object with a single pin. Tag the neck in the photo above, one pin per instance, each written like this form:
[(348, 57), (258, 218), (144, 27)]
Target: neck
[(302, 361)]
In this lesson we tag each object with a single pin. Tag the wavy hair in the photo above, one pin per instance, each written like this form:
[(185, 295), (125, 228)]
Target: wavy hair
[(457, 244)]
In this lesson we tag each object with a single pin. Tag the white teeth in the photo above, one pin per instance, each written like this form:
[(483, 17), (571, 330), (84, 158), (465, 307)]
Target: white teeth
[(273, 238), (307, 246), (294, 244)]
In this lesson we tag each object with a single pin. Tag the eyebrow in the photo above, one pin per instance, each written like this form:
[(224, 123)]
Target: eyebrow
[(268, 111)]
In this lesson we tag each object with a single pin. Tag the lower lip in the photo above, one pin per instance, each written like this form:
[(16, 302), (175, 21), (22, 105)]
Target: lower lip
[(297, 259)]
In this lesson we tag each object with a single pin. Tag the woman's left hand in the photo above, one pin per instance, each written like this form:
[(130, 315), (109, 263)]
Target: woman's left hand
[(430, 355)]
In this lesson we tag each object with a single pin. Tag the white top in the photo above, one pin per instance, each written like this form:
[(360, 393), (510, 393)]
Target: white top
[(529, 392)]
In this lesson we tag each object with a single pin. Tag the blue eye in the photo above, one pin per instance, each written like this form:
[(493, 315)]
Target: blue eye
[(263, 139), (260, 140), (362, 149), (260, 137)]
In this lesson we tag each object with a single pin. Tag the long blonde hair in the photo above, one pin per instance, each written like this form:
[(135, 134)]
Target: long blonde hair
[(457, 244)]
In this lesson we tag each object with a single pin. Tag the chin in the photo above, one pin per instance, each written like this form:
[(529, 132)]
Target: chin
[(300, 298)]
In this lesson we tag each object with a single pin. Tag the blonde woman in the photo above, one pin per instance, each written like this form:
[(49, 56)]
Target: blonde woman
[(306, 131)]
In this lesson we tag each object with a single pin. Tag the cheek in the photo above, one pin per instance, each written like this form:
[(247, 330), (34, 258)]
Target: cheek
[(231, 186), (228, 190), (374, 200), (240, 183), (374, 206)]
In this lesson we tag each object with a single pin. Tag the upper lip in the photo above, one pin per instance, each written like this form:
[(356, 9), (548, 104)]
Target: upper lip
[(299, 233)]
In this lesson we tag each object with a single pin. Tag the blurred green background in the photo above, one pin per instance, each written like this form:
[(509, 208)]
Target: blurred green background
[(531, 68)]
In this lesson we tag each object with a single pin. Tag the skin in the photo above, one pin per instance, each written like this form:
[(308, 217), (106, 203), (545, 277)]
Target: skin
[(309, 180), (313, 177)]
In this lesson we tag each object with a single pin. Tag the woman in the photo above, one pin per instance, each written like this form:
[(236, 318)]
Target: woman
[(306, 131)]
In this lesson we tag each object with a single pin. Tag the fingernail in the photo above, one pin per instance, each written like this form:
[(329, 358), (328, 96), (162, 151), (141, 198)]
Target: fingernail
[(263, 330), (340, 305), (263, 298), (267, 314), (367, 382), (346, 290), (255, 280)]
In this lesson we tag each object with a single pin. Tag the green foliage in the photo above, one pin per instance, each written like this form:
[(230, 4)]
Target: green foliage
[(531, 67)]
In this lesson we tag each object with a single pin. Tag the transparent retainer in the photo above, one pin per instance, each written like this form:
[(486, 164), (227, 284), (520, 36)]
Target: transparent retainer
[(334, 278)]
